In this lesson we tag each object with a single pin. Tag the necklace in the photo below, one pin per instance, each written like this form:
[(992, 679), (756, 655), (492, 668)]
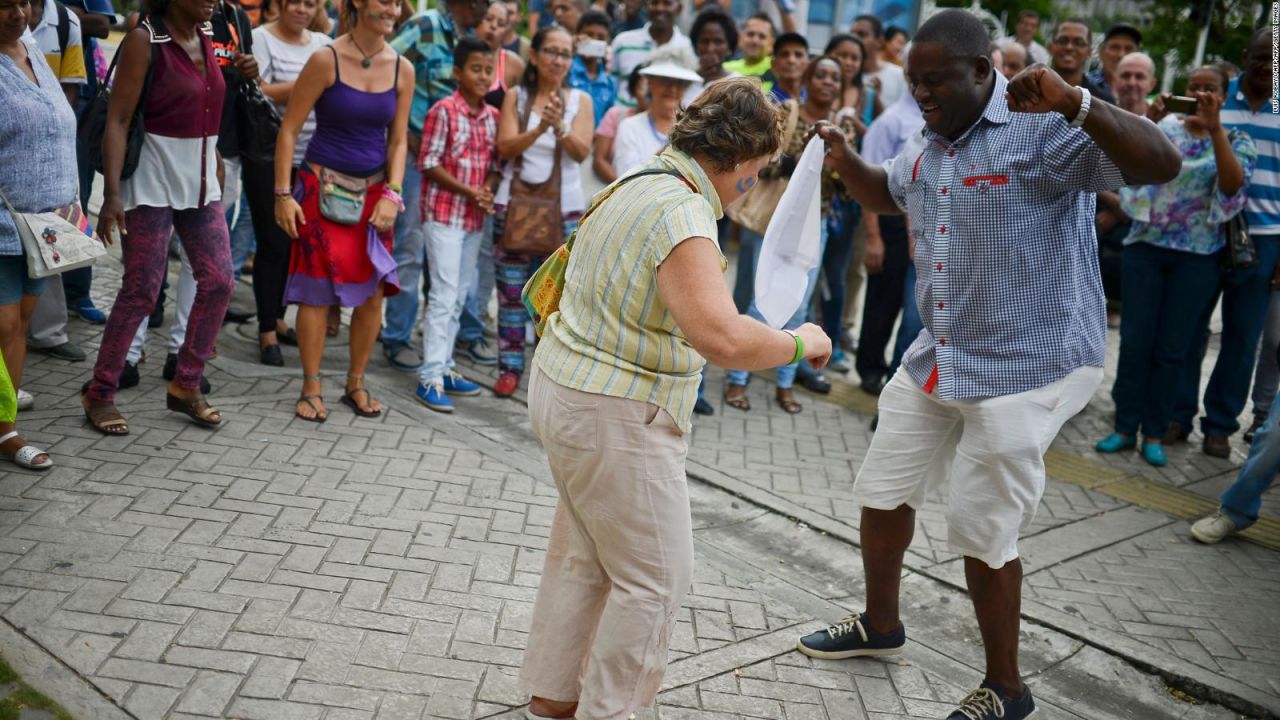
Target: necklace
[(368, 59)]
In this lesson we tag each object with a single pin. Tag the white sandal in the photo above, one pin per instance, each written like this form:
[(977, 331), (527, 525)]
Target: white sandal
[(26, 400), (26, 455)]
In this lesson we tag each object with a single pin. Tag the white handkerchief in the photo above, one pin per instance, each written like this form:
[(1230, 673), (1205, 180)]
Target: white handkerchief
[(791, 243)]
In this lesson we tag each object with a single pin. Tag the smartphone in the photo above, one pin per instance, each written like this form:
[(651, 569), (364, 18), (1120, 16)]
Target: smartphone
[(1179, 104)]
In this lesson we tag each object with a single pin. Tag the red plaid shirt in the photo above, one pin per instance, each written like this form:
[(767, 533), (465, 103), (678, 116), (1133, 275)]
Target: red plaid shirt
[(465, 143)]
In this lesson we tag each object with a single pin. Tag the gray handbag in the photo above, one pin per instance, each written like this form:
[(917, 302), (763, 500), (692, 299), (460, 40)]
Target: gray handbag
[(342, 197)]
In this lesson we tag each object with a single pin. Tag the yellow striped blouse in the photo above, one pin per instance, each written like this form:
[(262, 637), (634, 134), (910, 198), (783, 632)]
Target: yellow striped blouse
[(613, 334)]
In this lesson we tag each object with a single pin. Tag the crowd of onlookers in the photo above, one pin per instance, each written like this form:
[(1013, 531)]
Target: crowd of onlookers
[(425, 164)]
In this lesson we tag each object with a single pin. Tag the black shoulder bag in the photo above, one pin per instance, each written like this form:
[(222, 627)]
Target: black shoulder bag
[(256, 117), (93, 126), (1238, 252)]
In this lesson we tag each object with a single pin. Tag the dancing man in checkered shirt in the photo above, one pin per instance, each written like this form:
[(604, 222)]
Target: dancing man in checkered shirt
[(999, 191)]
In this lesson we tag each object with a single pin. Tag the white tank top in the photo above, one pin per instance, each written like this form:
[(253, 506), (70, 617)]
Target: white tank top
[(538, 160)]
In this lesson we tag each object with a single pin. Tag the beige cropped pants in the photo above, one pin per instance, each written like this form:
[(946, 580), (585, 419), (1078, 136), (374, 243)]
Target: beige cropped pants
[(620, 557)]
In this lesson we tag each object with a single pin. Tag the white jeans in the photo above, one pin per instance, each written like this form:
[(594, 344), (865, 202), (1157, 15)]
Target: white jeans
[(184, 298), (991, 450), (451, 257)]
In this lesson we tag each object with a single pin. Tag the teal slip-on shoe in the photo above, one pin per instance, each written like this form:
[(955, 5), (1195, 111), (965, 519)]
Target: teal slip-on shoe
[(1115, 442), (1153, 453)]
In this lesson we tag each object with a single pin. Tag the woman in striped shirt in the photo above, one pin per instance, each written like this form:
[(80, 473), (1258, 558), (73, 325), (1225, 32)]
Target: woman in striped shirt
[(613, 387)]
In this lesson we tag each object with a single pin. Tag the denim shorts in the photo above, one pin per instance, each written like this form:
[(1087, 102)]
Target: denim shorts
[(14, 282)]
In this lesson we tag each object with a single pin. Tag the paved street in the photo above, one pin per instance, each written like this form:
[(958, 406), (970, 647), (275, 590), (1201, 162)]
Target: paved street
[(385, 568)]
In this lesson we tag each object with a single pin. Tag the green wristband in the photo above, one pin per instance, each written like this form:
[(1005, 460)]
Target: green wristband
[(799, 347)]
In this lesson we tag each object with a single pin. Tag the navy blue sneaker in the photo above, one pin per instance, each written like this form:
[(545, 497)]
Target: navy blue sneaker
[(851, 638), (455, 384), (989, 702)]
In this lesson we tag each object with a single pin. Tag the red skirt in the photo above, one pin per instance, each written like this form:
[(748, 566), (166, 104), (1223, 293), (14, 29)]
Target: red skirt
[(333, 264)]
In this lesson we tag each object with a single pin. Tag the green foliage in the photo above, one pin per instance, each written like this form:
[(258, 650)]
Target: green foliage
[(1167, 26), (1171, 29), (23, 696)]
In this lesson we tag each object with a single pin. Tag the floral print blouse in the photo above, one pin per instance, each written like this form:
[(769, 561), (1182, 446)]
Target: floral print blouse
[(1184, 213)]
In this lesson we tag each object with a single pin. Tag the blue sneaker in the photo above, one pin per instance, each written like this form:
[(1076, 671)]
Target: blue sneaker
[(850, 638), (89, 313), (434, 397), (988, 702), (455, 384), (1115, 442)]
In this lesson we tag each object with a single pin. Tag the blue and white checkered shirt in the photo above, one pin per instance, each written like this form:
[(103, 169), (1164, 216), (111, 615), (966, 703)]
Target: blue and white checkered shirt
[(1006, 257)]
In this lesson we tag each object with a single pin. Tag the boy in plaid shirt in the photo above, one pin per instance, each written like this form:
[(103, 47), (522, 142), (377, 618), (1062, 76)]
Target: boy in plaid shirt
[(459, 164)]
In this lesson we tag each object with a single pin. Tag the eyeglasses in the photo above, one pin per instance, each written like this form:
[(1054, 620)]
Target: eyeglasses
[(1064, 41), (558, 54)]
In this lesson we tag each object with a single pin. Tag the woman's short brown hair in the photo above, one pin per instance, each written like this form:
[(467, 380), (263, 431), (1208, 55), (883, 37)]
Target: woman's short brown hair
[(732, 121)]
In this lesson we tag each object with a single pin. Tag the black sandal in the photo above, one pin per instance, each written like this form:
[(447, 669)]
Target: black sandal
[(349, 400), (320, 416)]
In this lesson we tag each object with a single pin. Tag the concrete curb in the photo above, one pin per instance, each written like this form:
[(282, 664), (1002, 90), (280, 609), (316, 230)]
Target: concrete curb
[(55, 679)]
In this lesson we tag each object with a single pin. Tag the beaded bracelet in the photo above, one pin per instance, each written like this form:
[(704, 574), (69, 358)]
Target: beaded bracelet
[(395, 187), (393, 196)]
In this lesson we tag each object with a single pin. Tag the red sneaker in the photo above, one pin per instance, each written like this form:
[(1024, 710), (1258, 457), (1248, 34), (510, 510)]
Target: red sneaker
[(506, 385)]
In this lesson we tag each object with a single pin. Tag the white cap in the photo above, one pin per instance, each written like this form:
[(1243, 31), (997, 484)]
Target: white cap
[(671, 70)]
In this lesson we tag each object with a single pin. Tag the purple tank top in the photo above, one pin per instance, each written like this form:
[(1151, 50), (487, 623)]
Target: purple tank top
[(351, 126)]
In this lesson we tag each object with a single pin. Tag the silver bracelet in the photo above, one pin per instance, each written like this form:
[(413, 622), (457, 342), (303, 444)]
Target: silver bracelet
[(1086, 99)]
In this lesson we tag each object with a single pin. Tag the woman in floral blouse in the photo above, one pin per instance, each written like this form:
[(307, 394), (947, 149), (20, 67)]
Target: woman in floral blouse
[(1171, 261)]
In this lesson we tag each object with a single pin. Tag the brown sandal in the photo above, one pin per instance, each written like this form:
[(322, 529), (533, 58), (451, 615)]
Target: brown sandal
[(198, 409), (104, 417), (735, 396), (320, 416), (786, 401)]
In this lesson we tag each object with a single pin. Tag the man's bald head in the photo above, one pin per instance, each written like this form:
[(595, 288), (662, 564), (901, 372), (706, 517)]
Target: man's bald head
[(1015, 59), (1135, 80)]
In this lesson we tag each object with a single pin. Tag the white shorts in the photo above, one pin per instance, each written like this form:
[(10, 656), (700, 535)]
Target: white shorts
[(990, 449)]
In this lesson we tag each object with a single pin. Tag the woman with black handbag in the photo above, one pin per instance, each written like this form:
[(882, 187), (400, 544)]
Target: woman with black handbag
[(540, 199), (37, 173), (342, 208), (176, 185), (282, 47)]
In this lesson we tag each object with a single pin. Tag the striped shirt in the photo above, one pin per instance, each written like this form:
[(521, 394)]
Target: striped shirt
[(613, 334), (1263, 208), (1006, 257), (633, 47)]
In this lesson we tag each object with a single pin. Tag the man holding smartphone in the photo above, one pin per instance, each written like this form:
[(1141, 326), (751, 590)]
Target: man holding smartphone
[(1000, 198)]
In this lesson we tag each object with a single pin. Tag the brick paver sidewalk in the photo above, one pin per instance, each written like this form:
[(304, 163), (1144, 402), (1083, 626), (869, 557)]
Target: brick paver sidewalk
[(385, 568)]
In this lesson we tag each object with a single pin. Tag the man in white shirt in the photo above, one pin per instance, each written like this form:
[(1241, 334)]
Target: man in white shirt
[(57, 31), (633, 47), (886, 78), (1024, 34)]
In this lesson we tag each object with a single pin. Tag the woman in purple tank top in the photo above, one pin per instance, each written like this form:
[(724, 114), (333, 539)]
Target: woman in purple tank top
[(361, 91)]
